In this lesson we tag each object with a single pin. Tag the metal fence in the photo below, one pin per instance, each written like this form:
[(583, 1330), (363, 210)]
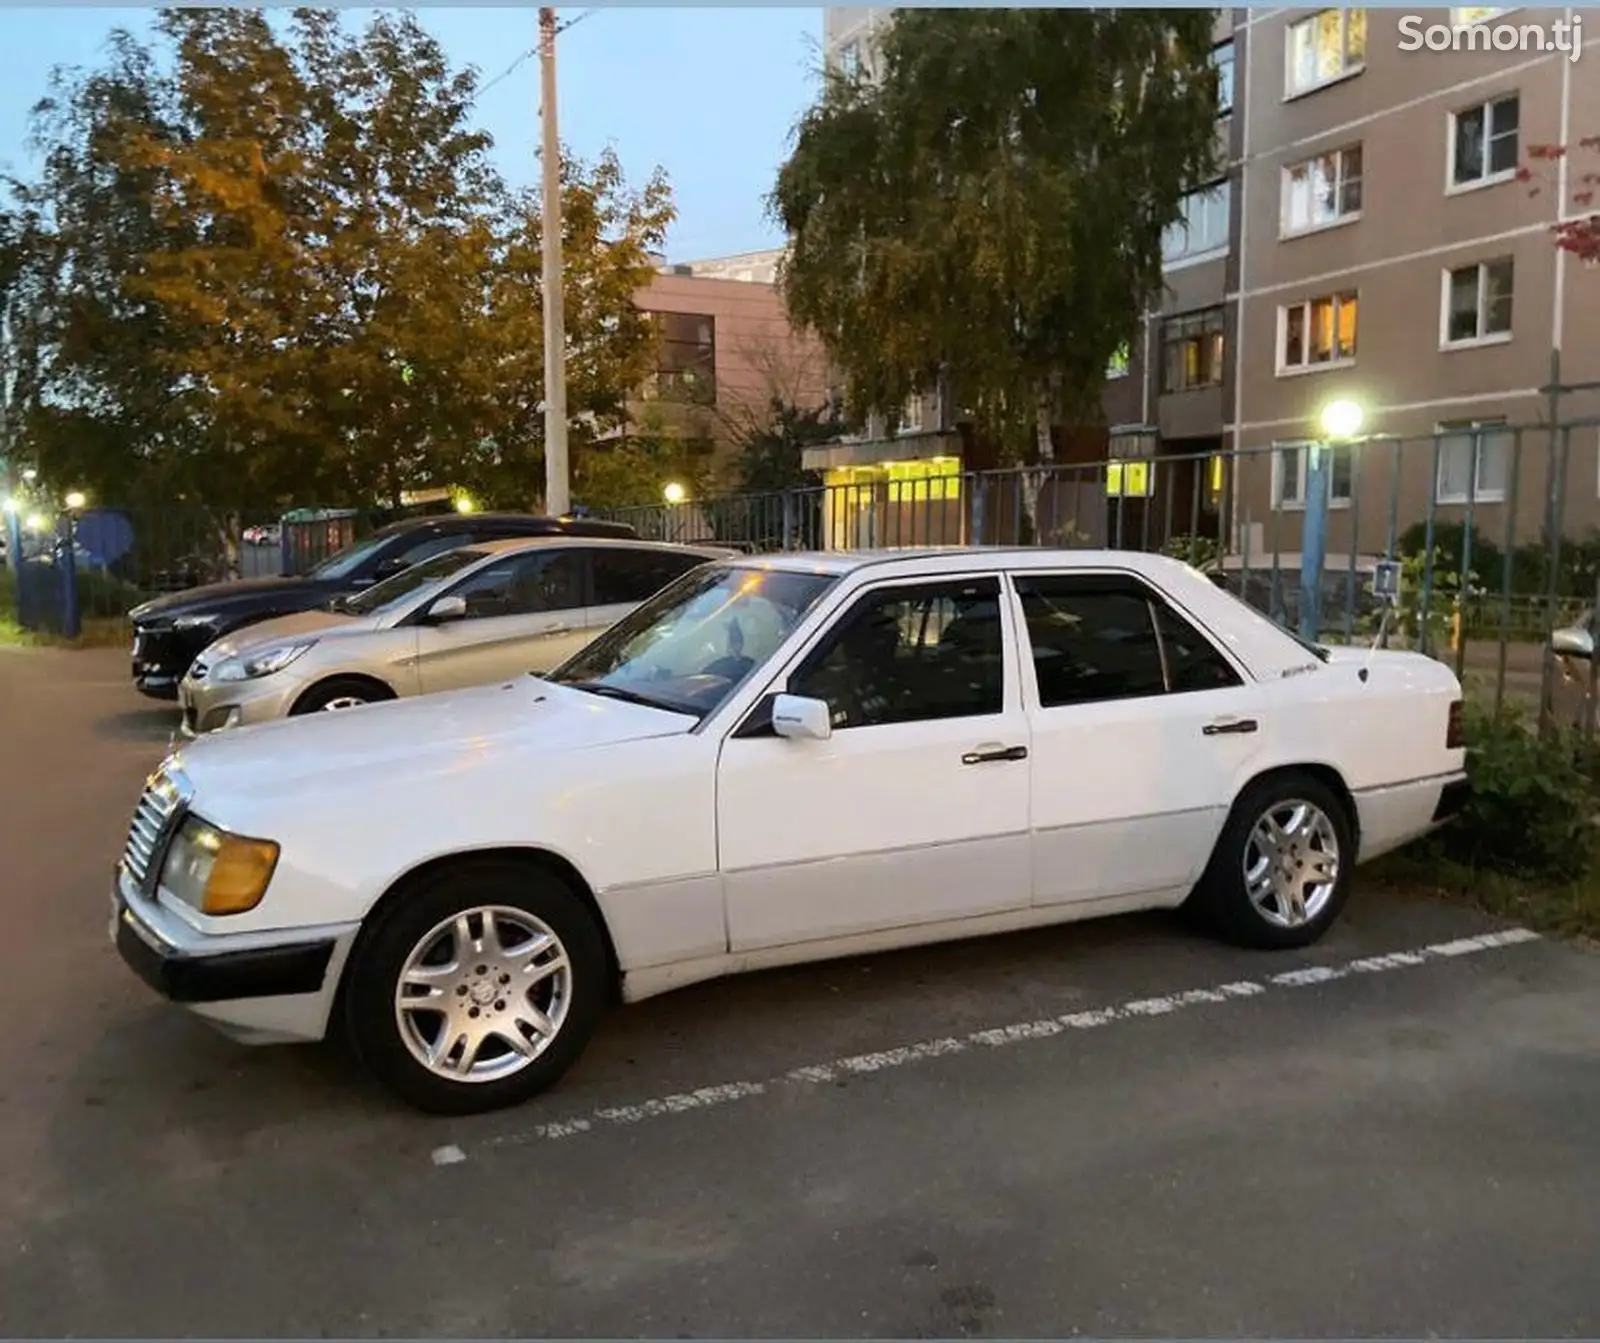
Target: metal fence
[(1497, 528)]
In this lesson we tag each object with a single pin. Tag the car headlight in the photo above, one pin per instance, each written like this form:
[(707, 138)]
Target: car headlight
[(215, 872), (259, 662)]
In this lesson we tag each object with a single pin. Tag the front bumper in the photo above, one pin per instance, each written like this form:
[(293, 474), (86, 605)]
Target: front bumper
[(257, 988), (272, 972), (210, 706), (160, 658)]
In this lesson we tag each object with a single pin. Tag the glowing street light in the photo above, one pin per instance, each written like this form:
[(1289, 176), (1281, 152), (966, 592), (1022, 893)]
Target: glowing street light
[(1341, 419), (674, 493), (35, 522), (463, 504), (30, 475), (76, 500)]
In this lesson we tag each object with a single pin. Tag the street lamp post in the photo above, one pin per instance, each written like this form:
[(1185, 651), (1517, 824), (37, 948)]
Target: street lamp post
[(1339, 422), (71, 614)]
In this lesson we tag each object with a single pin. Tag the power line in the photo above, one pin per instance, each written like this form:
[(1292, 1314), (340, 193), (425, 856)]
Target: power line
[(532, 52)]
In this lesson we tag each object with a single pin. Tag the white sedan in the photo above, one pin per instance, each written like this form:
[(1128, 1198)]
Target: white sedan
[(774, 760)]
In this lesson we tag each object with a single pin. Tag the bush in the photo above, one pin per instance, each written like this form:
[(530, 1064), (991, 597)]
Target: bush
[(1533, 800)]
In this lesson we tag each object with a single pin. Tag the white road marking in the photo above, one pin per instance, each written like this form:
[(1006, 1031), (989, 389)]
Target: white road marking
[(448, 1156), (821, 1074)]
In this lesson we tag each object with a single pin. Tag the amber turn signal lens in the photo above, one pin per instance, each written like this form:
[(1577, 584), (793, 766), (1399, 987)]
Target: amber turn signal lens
[(239, 875)]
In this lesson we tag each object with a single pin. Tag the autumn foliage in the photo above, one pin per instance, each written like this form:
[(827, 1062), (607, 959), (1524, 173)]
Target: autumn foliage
[(268, 259), (1580, 235)]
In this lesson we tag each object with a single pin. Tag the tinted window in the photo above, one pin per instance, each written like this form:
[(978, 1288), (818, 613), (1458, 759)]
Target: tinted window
[(1097, 639), (1193, 663), (428, 546), (526, 584), (629, 576), (1090, 641), (407, 582), (909, 654)]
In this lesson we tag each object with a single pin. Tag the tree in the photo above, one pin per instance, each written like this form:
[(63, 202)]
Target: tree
[(1581, 235), (772, 454), (285, 269), (989, 212)]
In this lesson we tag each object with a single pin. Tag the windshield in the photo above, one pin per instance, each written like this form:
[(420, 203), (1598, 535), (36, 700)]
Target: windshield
[(381, 596), (343, 563), (692, 645)]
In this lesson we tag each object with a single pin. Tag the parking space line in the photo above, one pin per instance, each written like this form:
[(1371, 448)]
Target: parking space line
[(819, 1074)]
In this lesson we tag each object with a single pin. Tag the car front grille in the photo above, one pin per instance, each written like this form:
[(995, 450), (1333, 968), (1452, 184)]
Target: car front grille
[(154, 819)]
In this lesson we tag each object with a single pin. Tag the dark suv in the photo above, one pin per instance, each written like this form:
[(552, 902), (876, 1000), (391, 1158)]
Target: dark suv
[(170, 632)]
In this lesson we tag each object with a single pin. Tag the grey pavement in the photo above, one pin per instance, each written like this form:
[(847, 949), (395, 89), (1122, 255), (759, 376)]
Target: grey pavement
[(1405, 1146)]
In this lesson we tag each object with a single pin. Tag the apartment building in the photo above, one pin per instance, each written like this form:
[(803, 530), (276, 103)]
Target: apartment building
[(726, 350), (1390, 255), (1371, 240)]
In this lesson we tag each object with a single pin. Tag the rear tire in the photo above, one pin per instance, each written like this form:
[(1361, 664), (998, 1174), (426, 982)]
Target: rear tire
[(340, 692), (1281, 870), (477, 988)]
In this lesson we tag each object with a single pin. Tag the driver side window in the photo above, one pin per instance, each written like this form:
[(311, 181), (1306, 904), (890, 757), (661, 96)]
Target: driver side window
[(524, 585), (910, 654)]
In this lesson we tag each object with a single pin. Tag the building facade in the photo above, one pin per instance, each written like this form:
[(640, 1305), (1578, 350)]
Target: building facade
[(1375, 238), (726, 351)]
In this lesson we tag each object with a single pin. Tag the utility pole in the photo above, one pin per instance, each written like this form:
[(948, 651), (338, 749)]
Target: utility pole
[(557, 486)]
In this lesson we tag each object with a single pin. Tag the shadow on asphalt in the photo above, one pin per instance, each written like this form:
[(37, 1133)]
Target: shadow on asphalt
[(156, 723)]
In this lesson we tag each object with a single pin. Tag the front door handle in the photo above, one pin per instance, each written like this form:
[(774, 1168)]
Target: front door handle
[(1228, 727), (985, 755), (549, 630)]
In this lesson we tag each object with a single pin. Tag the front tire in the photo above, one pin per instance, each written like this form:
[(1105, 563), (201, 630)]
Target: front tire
[(1281, 870), (477, 989), (339, 692)]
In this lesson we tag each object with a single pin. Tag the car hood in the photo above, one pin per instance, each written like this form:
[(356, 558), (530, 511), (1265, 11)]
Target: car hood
[(421, 742), (319, 624), (247, 594)]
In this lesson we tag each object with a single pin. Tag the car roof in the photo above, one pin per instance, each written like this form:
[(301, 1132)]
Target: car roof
[(935, 560), (510, 545), (515, 523)]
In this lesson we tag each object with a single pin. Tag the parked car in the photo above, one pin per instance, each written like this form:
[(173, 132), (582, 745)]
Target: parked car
[(477, 614), (171, 631), (775, 759), (1575, 640)]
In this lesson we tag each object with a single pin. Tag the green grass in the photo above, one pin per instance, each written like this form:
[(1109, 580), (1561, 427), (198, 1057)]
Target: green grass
[(1570, 910)]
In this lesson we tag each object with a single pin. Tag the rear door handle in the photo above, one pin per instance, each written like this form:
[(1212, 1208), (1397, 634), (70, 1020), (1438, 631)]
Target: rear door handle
[(985, 755), (548, 630), (1227, 727)]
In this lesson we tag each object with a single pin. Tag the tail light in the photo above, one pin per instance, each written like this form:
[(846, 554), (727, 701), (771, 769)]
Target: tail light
[(1455, 736)]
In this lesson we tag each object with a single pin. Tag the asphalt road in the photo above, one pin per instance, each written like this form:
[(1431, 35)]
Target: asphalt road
[(1116, 1129)]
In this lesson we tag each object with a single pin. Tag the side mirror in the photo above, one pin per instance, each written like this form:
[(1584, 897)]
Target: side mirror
[(795, 716), (447, 609)]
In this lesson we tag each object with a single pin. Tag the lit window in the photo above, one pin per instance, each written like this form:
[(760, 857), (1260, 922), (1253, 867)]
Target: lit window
[(1317, 333), (1118, 366), (1191, 351), (1325, 47)]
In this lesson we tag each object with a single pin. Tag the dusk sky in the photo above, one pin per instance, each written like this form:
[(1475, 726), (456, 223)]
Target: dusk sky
[(711, 95)]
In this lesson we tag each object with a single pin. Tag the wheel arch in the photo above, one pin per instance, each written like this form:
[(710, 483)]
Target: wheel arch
[(1325, 774), (386, 691), (532, 858)]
